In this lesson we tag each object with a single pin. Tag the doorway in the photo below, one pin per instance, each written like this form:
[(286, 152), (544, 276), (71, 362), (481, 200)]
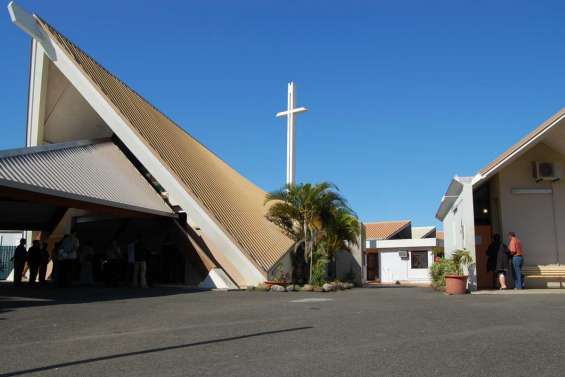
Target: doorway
[(372, 266)]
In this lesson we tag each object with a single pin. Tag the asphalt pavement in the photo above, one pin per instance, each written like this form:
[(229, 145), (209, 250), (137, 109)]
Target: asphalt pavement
[(362, 332)]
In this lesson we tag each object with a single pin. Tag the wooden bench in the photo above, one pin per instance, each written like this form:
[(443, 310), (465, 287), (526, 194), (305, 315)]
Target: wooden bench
[(544, 272)]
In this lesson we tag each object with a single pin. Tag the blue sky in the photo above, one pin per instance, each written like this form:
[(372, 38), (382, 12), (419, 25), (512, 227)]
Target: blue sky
[(402, 94)]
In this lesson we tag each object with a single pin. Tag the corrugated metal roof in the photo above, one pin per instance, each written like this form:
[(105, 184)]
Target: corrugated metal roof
[(236, 204), (95, 172), (384, 229)]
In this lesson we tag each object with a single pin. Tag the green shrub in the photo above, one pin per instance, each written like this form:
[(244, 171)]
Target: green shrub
[(439, 269)]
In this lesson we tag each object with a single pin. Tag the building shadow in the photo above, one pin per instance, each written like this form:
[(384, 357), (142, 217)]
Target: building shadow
[(12, 298), (153, 350)]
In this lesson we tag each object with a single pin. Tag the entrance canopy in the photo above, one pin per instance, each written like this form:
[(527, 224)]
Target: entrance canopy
[(38, 184)]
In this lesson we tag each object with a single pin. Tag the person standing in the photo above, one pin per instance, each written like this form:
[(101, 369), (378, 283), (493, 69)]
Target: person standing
[(140, 265), (67, 259), (503, 265), (44, 263), (19, 258), (86, 257), (34, 261), (492, 255), (517, 252), (112, 265)]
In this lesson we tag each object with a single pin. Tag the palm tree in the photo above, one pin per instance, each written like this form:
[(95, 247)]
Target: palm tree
[(341, 233), (305, 211)]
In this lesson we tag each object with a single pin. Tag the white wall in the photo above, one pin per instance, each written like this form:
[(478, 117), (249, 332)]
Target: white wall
[(393, 268), (459, 228)]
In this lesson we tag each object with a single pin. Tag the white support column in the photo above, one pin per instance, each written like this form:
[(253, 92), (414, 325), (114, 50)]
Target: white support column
[(37, 95)]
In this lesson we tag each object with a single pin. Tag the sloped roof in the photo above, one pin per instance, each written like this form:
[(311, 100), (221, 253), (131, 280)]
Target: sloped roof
[(233, 201), (384, 229), (440, 235), (422, 231), (538, 131), (67, 170)]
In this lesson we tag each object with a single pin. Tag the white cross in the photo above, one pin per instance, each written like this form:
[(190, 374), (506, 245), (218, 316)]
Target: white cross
[(289, 113)]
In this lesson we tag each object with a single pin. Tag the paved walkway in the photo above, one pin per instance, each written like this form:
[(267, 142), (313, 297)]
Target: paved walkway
[(362, 332)]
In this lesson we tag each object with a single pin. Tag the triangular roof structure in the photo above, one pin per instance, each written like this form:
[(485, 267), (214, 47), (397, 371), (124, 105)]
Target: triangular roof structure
[(383, 230), (227, 209), (550, 132), (419, 232)]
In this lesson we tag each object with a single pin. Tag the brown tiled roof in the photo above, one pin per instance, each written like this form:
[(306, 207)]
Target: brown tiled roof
[(233, 201), (525, 140), (384, 229)]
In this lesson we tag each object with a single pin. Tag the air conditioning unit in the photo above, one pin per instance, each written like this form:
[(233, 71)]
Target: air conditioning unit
[(546, 171), (403, 254)]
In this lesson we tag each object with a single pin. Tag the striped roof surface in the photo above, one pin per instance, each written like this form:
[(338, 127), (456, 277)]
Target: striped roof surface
[(235, 203), (384, 229), (95, 172)]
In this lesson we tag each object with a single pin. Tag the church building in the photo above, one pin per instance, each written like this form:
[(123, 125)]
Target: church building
[(104, 162)]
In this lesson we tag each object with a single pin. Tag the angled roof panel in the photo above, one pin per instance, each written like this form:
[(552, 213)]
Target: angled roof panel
[(235, 203), (532, 136), (384, 229), (423, 231), (95, 172)]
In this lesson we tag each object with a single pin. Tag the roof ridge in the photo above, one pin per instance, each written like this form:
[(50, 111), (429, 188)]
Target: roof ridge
[(44, 148)]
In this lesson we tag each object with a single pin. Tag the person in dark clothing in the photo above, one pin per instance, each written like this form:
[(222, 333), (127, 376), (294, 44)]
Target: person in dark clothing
[(44, 262), (140, 265), (19, 258), (492, 254), (503, 266), (34, 261)]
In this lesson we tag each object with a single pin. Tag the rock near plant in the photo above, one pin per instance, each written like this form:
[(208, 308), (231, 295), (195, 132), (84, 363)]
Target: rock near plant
[(277, 288), (307, 288), (328, 287)]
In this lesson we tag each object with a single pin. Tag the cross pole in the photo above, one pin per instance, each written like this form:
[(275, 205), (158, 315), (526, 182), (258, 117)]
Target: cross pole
[(289, 113)]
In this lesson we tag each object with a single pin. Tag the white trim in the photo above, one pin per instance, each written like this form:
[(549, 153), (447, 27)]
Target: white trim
[(479, 177), (406, 243), (36, 95), (217, 279), (198, 215)]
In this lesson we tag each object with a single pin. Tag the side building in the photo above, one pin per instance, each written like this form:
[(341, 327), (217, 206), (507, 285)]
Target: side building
[(520, 191), (399, 252)]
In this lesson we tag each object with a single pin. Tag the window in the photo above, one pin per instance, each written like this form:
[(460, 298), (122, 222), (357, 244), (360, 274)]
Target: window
[(419, 259)]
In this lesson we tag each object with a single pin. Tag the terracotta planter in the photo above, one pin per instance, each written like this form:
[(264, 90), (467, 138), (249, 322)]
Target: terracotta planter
[(274, 282), (455, 284)]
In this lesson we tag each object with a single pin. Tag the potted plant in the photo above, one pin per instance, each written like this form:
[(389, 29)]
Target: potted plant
[(455, 278)]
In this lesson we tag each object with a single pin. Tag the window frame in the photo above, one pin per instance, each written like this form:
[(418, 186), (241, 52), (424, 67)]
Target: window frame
[(422, 258)]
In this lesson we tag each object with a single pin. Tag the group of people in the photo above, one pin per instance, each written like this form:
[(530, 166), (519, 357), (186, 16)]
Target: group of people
[(506, 261), (69, 254), (37, 258)]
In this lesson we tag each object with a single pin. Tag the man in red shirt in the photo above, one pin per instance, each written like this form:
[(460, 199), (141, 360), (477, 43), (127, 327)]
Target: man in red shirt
[(517, 251)]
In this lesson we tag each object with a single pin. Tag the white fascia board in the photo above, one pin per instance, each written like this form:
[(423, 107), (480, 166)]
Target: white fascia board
[(406, 243), (518, 152), (197, 214), (36, 95)]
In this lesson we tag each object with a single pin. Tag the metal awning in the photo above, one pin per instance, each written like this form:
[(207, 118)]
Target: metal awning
[(92, 174)]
